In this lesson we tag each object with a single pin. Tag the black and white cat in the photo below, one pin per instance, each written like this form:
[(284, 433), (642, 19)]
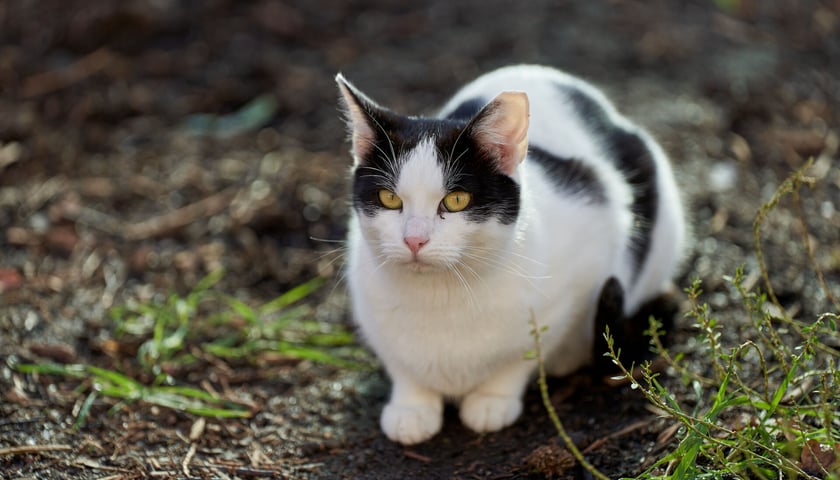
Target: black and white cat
[(522, 197)]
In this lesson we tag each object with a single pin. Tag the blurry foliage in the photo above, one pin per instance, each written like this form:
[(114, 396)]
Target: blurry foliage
[(728, 6), (250, 117), (112, 384), (766, 408), (177, 331), (235, 331), (779, 422)]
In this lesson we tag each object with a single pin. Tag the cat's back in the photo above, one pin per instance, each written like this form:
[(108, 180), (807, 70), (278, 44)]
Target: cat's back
[(582, 149), (561, 107)]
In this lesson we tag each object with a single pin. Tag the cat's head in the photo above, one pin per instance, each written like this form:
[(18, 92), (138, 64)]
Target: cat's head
[(432, 194)]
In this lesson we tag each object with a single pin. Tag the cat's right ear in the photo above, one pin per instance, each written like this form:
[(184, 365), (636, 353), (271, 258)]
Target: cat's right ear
[(360, 123)]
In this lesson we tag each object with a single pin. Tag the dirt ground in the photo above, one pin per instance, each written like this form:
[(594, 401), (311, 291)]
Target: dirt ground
[(127, 171)]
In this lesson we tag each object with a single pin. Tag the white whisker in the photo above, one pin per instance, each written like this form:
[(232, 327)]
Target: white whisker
[(500, 264), (328, 240), (503, 253), (467, 287)]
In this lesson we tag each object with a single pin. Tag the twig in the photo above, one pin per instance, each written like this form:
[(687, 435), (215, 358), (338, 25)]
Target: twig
[(417, 456), (185, 464), (24, 449), (624, 431), (177, 219), (54, 80), (242, 470), (197, 429)]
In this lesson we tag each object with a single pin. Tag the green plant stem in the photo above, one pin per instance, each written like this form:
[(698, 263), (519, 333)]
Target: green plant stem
[(672, 362), (790, 185), (552, 413)]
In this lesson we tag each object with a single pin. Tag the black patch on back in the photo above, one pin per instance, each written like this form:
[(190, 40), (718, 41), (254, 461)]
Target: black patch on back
[(570, 175), (467, 109), (493, 194), (632, 157)]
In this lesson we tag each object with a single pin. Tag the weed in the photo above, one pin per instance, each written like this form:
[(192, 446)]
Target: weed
[(738, 428), (763, 408), (112, 384), (748, 421), (236, 331), (179, 330)]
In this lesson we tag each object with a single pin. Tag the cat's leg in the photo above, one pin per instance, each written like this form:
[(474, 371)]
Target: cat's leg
[(497, 403), (414, 414), (574, 348)]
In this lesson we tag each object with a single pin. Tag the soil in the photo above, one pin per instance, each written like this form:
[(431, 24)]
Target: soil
[(128, 170)]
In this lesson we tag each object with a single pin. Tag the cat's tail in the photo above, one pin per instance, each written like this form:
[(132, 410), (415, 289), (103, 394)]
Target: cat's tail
[(628, 332)]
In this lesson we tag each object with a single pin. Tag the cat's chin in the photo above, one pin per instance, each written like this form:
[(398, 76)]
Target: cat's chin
[(420, 267)]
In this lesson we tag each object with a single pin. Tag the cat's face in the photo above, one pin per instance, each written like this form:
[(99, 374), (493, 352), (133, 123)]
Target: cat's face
[(437, 194), (427, 212)]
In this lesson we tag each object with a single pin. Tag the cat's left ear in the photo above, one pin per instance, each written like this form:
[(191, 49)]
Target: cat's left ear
[(501, 130), (358, 109)]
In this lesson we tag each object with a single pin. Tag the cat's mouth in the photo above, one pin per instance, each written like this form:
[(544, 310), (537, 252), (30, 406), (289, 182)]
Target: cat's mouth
[(419, 266)]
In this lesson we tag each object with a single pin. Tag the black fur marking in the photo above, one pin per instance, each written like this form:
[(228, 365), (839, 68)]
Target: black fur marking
[(467, 109), (629, 333), (494, 195), (394, 136), (632, 157), (570, 175)]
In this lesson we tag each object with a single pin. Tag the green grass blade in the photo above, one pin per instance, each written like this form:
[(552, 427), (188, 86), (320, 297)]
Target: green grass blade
[(338, 339), (309, 353), (690, 448), (84, 411), (115, 378), (208, 281), (75, 371), (188, 392), (242, 309), (192, 401), (292, 296), (783, 387)]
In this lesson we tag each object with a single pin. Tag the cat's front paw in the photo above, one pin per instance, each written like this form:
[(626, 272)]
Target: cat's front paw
[(489, 413), (410, 424)]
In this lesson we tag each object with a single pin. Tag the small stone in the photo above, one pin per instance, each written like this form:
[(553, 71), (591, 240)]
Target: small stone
[(10, 279)]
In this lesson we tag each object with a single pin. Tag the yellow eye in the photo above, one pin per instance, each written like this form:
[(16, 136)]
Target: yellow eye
[(456, 201), (390, 200)]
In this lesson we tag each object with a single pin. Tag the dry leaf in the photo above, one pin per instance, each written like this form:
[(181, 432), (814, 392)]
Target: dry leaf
[(818, 458)]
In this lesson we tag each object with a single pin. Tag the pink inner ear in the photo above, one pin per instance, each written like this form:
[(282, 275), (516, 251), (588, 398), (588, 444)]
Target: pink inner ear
[(502, 130), (357, 121)]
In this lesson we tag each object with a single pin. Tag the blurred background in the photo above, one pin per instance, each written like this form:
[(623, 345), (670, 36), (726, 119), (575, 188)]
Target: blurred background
[(117, 114), (144, 144)]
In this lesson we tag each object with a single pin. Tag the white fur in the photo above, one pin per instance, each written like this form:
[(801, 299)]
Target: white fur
[(454, 322)]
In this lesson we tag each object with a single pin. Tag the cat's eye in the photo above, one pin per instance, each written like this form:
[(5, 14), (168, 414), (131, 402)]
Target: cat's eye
[(390, 200), (456, 201)]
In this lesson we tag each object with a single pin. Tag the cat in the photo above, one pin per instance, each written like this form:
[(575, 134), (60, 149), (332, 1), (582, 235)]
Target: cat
[(524, 197)]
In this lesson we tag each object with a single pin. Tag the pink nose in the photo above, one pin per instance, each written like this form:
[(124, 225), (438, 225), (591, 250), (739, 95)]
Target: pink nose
[(415, 243)]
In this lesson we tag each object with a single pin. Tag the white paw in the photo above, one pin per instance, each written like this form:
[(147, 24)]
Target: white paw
[(489, 413), (410, 424)]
